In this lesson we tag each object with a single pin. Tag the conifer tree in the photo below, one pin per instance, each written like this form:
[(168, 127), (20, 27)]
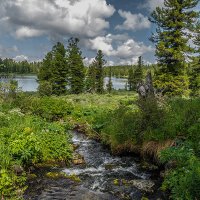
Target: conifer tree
[(171, 39), (53, 72), (109, 84), (131, 80), (138, 74), (45, 71), (99, 63), (59, 69), (91, 79), (76, 67)]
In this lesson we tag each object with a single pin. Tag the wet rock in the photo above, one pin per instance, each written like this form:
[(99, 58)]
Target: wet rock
[(78, 159), (144, 185), (75, 146), (110, 166)]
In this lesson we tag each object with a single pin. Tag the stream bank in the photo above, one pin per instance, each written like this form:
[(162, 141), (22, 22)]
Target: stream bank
[(102, 176)]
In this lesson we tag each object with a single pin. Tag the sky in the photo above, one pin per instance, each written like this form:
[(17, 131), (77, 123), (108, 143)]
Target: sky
[(120, 28)]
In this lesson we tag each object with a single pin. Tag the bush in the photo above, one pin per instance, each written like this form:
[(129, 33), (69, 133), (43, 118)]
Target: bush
[(50, 108), (184, 179), (45, 88), (26, 140)]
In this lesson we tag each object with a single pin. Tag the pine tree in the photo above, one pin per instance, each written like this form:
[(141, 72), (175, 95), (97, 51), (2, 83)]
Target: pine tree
[(131, 80), (99, 63), (45, 71), (109, 84), (76, 67), (138, 74), (53, 72), (171, 39), (91, 79), (59, 69)]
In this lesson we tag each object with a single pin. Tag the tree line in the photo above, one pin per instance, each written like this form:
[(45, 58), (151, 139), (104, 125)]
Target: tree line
[(8, 66)]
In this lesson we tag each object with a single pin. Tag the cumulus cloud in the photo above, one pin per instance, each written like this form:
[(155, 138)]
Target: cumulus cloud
[(132, 48), (133, 21), (125, 50), (103, 43), (33, 18), (20, 58)]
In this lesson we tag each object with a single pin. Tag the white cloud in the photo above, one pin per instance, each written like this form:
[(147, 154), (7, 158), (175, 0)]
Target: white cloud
[(88, 61), (64, 17), (133, 21), (124, 50), (103, 43), (132, 47), (20, 58)]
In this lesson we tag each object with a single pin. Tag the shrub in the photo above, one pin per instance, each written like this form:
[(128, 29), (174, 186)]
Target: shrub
[(184, 179), (26, 140), (50, 108), (45, 88)]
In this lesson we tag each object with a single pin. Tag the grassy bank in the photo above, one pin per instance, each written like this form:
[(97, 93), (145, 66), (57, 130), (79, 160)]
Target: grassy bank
[(26, 141)]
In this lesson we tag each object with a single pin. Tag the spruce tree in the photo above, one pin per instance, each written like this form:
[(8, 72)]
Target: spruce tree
[(171, 39), (99, 63), (45, 71), (59, 69), (109, 84), (131, 80), (91, 79), (53, 72), (138, 74), (76, 67)]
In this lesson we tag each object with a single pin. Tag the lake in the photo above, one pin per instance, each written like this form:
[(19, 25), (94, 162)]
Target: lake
[(30, 84)]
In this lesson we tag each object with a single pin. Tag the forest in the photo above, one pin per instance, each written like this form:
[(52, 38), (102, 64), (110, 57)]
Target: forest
[(155, 119)]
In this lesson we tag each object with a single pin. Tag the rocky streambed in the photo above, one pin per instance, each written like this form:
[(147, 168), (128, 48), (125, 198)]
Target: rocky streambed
[(97, 175)]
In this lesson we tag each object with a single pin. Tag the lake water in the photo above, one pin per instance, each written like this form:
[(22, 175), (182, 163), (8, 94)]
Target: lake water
[(30, 84)]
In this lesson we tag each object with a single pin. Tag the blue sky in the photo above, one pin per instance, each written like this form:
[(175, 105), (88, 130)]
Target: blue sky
[(120, 28)]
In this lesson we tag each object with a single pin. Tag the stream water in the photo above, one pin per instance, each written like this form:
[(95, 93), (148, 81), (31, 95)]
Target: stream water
[(103, 176)]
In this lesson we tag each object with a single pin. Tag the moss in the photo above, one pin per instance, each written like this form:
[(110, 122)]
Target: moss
[(58, 175), (116, 181), (74, 178)]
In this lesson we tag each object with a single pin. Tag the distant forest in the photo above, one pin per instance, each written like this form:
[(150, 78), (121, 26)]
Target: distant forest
[(10, 66)]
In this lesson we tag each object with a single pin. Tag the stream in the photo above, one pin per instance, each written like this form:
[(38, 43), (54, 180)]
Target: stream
[(103, 177)]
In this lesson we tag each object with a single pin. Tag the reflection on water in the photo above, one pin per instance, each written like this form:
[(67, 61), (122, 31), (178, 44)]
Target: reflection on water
[(30, 84)]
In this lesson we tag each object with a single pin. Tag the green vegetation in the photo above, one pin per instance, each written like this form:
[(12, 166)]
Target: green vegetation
[(165, 130)]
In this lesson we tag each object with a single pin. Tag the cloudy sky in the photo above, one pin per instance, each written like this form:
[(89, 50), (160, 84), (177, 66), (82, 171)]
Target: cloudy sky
[(120, 28)]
